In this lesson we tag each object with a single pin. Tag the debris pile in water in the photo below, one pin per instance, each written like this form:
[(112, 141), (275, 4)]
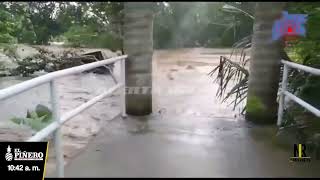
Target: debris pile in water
[(43, 60)]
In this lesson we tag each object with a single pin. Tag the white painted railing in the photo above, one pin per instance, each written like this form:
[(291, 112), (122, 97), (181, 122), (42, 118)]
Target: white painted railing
[(55, 127), (284, 93)]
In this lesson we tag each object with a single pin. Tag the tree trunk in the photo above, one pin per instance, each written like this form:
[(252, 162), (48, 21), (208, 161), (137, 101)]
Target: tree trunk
[(264, 65), (138, 45)]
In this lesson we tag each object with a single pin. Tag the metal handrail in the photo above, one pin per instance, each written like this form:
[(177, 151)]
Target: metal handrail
[(284, 93), (55, 127), (308, 69), (21, 87)]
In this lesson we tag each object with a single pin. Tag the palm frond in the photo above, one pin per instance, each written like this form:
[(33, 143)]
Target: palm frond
[(232, 71)]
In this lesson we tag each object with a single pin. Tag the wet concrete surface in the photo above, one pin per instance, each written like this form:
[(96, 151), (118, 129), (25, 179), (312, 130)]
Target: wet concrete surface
[(129, 148), (189, 134)]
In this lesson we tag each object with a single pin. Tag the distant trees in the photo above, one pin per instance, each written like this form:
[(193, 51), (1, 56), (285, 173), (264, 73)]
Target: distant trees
[(190, 24), (15, 25), (176, 24), (38, 22)]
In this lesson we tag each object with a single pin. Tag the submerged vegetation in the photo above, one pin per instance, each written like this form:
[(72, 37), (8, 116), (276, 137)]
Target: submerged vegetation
[(37, 119)]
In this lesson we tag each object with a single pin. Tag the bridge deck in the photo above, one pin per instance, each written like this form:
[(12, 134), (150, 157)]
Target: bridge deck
[(189, 135)]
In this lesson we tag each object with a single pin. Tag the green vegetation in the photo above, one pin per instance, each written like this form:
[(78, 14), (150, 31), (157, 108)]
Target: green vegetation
[(37, 120), (305, 51), (39, 22), (254, 105), (204, 24), (78, 36), (99, 24)]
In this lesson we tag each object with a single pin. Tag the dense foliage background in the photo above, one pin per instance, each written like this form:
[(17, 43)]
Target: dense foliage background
[(305, 50), (98, 24)]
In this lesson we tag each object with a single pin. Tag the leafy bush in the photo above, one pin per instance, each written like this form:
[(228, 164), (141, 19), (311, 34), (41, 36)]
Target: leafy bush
[(7, 26), (7, 38), (77, 35), (106, 40), (227, 38), (10, 49), (305, 51), (37, 120), (2, 67), (85, 36), (28, 37), (60, 38)]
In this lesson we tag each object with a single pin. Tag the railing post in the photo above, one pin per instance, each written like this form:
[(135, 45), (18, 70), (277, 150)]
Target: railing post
[(57, 134), (282, 95), (123, 89)]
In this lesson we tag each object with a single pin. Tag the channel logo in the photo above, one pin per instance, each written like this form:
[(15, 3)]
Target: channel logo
[(290, 25)]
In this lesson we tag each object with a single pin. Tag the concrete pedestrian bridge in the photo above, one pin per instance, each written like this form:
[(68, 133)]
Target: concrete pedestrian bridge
[(189, 134)]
